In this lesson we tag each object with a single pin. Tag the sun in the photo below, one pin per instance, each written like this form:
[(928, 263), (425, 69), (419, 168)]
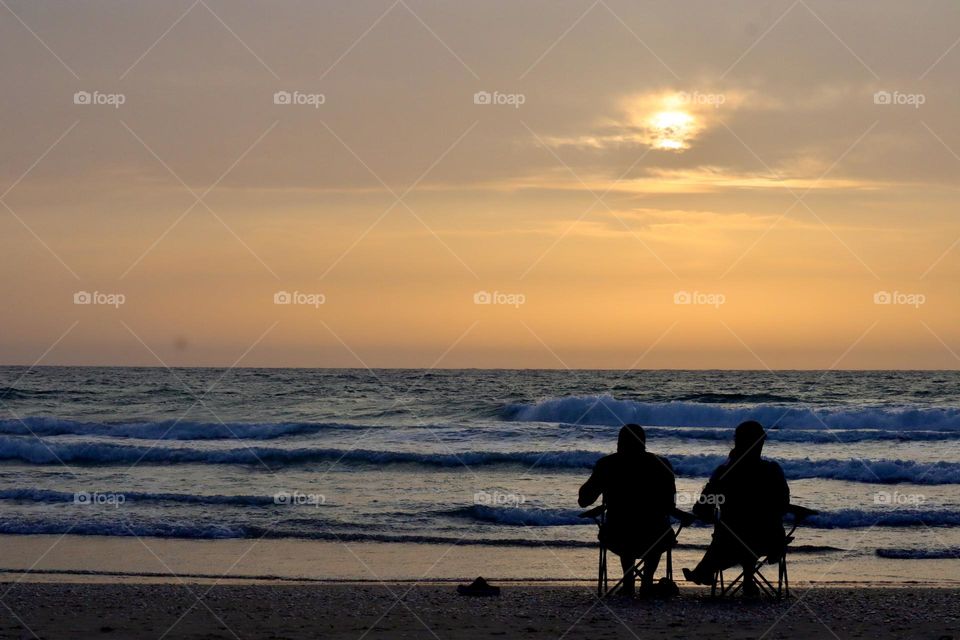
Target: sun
[(672, 129)]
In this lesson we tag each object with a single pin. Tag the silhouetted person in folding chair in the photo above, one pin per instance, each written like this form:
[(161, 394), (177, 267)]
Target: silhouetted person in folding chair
[(746, 498), (639, 490)]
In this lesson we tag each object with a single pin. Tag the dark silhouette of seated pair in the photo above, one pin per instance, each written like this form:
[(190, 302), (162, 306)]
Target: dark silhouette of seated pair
[(745, 498)]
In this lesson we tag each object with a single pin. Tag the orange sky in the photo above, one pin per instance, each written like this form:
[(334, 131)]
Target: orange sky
[(692, 186)]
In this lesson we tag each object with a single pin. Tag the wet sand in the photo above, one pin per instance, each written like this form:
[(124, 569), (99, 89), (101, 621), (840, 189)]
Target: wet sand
[(51, 610)]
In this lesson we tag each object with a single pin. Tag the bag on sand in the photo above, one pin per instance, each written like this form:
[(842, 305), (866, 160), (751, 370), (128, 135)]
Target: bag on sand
[(666, 588)]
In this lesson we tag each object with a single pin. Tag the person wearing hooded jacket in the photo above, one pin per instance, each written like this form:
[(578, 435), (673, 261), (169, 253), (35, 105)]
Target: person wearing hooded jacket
[(746, 499)]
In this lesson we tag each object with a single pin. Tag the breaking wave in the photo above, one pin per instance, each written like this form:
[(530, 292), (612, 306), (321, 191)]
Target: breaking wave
[(919, 554), (167, 429), (841, 519), (35, 451), (606, 410)]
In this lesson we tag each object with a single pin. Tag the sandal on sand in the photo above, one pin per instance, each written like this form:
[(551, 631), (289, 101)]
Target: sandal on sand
[(478, 587)]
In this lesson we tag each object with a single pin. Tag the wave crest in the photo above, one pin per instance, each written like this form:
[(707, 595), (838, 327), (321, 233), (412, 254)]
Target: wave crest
[(34, 451), (51, 496), (606, 410), (952, 553), (167, 429), (841, 519)]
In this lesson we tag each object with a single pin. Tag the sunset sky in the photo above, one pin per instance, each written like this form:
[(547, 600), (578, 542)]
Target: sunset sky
[(735, 155)]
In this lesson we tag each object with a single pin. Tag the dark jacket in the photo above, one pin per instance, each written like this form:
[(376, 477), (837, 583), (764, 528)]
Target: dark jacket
[(750, 498), (639, 490)]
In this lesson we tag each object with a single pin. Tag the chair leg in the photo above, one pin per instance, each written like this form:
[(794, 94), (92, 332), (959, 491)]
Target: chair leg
[(635, 570), (602, 572), (725, 588), (734, 587), (786, 578), (720, 589), (739, 583), (606, 571), (765, 585)]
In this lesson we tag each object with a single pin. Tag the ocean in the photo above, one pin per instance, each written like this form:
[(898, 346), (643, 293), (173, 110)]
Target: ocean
[(476, 458)]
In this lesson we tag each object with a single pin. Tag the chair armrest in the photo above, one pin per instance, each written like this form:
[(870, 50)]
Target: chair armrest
[(684, 517), (800, 513), (596, 512)]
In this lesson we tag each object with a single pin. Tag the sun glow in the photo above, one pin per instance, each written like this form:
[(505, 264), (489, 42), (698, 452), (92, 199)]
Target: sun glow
[(672, 130)]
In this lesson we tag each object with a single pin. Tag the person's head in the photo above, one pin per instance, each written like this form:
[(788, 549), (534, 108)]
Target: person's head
[(632, 439), (748, 439)]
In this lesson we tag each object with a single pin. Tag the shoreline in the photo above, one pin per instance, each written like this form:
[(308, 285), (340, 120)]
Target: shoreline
[(18, 576), (131, 560), (392, 610)]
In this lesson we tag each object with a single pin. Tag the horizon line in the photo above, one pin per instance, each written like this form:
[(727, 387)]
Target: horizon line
[(561, 369)]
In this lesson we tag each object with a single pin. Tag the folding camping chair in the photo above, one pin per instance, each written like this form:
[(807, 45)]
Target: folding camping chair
[(782, 590), (598, 514)]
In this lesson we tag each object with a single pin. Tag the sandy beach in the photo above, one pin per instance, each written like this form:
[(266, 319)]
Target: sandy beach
[(436, 611)]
